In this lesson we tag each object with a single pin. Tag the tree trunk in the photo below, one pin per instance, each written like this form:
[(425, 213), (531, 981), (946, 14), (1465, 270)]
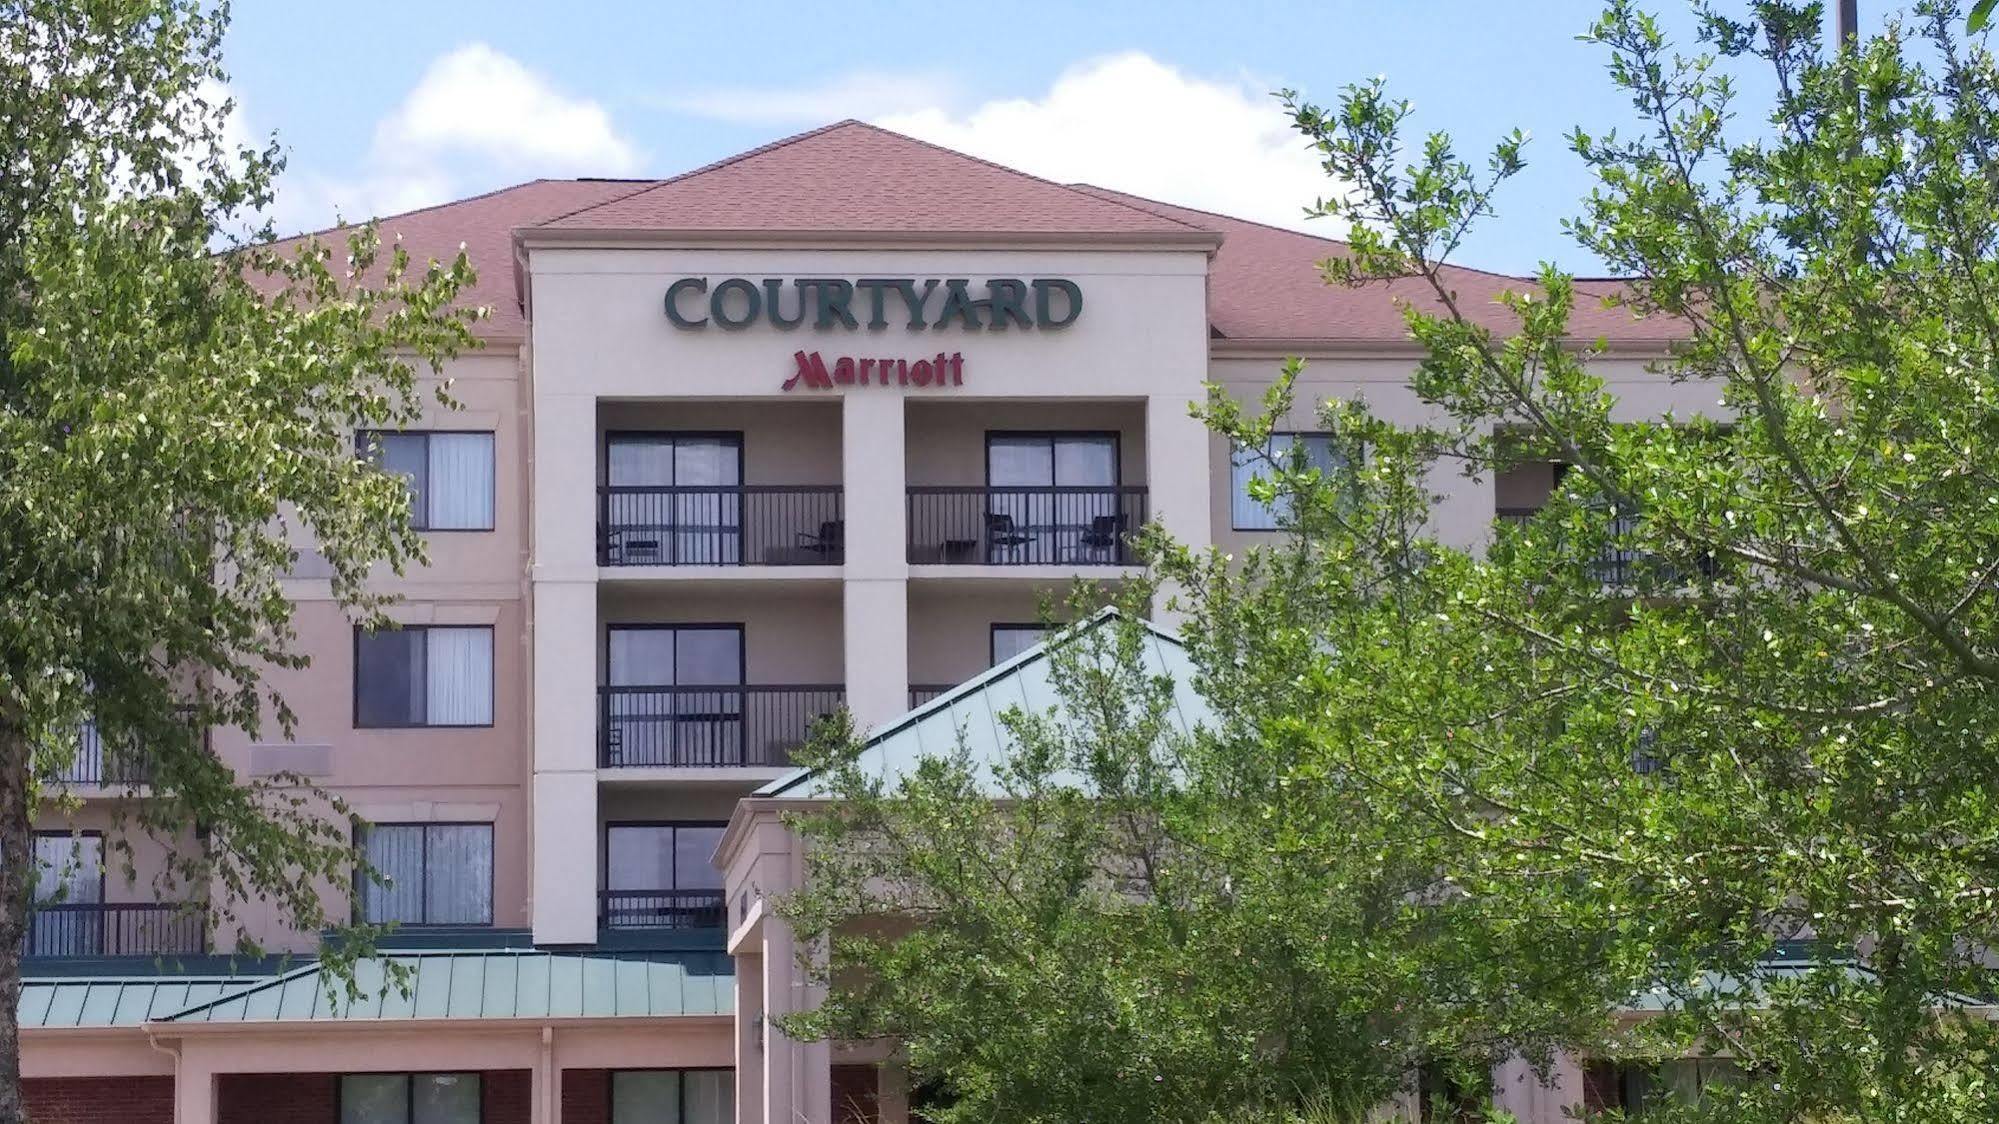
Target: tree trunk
[(15, 857)]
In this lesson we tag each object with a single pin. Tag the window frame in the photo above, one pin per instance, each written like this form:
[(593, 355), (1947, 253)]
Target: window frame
[(742, 649), (361, 827), (492, 679), (420, 520), (409, 1088), (1235, 492), (604, 855), (993, 631), (1051, 436), (680, 1109), (86, 833)]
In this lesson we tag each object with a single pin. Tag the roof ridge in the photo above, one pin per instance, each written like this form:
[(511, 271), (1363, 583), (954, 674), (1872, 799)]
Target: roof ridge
[(1094, 188), (711, 166), (642, 187)]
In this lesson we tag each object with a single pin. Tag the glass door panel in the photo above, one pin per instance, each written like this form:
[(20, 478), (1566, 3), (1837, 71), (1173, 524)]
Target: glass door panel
[(709, 522)]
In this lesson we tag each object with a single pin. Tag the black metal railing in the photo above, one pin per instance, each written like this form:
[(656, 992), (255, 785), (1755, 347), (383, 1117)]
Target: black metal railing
[(76, 929), (1622, 566), (693, 727), (739, 525), (94, 763), (662, 909), (920, 693), (1059, 526)]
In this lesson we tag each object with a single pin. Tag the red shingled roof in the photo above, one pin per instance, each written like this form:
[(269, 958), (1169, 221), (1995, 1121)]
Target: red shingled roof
[(1265, 284), (852, 176), (486, 224)]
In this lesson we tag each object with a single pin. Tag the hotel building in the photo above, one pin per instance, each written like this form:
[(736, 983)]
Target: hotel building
[(818, 425)]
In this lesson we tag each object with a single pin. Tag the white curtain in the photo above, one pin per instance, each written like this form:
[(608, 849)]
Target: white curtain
[(458, 875), (458, 676), (69, 869), (709, 1096), (1011, 641), (1247, 514), (461, 481), (396, 853), (710, 522)]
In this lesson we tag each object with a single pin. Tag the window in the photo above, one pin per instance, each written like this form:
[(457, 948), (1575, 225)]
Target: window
[(1052, 497), (1247, 514), (450, 476), (69, 885), (674, 694), (662, 876), (423, 675), (673, 1096), (1010, 640), (674, 498), (1633, 1087), (436, 874), (410, 1098)]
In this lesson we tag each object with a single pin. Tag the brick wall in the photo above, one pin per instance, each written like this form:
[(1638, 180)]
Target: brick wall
[(100, 1100), (507, 1095), (586, 1096), (259, 1098)]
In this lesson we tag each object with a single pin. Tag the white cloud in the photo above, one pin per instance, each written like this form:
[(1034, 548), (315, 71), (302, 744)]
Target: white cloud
[(864, 94), (1132, 123), (476, 119)]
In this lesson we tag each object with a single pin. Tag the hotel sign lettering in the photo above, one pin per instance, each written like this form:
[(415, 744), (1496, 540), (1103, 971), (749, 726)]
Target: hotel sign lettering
[(813, 372), (1046, 303)]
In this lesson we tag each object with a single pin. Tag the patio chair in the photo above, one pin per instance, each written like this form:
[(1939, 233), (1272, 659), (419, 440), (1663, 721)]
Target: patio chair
[(1003, 534)]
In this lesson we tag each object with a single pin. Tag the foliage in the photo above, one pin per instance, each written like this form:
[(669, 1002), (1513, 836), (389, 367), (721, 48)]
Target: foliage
[(177, 408), (1461, 798)]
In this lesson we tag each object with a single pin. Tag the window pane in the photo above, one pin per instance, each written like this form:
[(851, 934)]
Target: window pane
[(1019, 462), (389, 678), (396, 853), (1011, 640), (459, 677), (69, 868), (709, 1096), (445, 1098), (639, 462), (407, 455), (458, 879), (639, 857), (1246, 514), (641, 657), (461, 481), (693, 858), (645, 1097), (369, 1098), (709, 656), (1085, 462)]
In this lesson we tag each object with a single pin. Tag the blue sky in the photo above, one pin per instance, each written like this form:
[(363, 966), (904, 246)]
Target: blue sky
[(387, 105)]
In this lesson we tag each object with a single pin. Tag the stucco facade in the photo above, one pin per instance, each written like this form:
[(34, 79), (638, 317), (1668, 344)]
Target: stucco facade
[(693, 551)]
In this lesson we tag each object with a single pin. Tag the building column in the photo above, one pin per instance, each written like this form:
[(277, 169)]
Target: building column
[(1179, 492), (194, 1090), (875, 607), (564, 724), (797, 1076), (750, 1032)]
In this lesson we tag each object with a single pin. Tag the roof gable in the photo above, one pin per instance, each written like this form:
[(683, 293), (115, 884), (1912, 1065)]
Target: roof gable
[(972, 711), (858, 178)]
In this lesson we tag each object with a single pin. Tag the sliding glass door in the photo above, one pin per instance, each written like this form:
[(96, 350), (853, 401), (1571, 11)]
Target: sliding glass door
[(674, 694), (1050, 495), (675, 498)]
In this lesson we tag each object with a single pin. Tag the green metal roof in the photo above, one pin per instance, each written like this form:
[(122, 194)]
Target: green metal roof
[(972, 710), (485, 984), (95, 1002)]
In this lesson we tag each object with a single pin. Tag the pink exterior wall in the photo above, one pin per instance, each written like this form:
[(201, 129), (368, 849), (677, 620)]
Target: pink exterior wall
[(950, 625)]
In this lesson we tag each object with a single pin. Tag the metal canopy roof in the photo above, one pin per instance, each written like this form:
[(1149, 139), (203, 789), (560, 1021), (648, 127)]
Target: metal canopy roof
[(440, 984), (970, 714)]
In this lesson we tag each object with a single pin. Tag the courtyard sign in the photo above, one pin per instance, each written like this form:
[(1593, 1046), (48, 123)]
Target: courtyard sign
[(1047, 303), (814, 374)]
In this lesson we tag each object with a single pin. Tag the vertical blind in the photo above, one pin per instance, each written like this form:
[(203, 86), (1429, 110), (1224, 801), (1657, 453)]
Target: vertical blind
[(1247, 514), (435, 874)]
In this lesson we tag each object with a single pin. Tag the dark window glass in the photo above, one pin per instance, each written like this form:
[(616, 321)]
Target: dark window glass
[(432, 675), (389, 678)]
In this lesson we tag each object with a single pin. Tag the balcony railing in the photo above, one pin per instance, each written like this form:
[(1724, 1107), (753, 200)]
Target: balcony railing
[(920, 693), (739, 525), (82, 929), (662, 909), (1621, 566), (96, 765), (697, 727), (1061, 526)]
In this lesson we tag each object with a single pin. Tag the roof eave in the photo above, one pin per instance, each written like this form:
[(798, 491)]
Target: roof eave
[(543, 237), (1352, 347)]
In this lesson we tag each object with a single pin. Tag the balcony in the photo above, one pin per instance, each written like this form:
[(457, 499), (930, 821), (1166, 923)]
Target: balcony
[(920, 693), (1619, 567), (654, 910), (1031, 526), (93, 766), (695, 727), (734, 525), (96, 929)]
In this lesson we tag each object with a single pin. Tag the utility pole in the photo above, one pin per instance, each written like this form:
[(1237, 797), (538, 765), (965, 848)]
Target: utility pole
[(1849, 22)]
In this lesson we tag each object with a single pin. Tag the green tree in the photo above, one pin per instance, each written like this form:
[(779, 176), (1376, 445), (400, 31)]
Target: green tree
[(177, 411), (1730, 693)]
